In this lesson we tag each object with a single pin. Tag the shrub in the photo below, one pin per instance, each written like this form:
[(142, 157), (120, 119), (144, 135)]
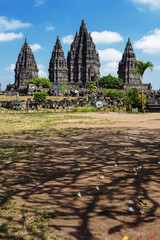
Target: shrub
[(133, 98), (40, 97), (45, 82), (111, 82), (92, 86), (62, 87), (113, 94)]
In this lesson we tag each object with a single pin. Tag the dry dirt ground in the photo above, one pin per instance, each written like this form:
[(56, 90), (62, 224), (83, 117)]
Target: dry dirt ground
[(74, 165)]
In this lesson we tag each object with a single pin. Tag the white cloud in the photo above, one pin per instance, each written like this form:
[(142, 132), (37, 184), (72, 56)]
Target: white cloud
[(67, 39), (106, 37), (50, 28), (10, 36), (109, 68), (39, 3), (150, 43), (35, 47), (41, 72), (12, 24), (154, 4), (157, 68), (10, 68), (110, 54)]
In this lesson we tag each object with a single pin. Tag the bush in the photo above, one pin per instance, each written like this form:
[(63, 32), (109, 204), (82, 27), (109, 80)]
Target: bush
[(40, 97), (62, 87), (45, 82), (113, 94), (133, 98), (92, 86), (111, 82)]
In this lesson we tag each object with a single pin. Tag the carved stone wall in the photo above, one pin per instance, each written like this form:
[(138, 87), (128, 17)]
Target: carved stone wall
[(83, 59), (26, 67), (58, 71), (126, 68)]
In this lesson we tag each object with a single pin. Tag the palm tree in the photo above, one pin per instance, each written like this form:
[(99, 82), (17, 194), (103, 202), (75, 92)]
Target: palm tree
[(141, 67)]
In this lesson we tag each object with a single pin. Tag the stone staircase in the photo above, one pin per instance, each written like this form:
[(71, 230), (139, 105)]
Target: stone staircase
[(152, 108)]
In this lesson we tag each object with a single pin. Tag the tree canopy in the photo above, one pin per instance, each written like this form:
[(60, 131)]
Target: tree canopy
[(111, 82), (44, 81), (62, 87), (92, 86)]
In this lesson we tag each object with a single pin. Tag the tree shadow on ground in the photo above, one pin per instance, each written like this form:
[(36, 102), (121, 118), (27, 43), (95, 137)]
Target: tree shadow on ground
[(69, 165)]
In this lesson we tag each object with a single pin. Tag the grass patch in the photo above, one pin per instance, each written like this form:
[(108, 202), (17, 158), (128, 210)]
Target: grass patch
[(25, 223), (12, 153), (11, 125), (94, 122)]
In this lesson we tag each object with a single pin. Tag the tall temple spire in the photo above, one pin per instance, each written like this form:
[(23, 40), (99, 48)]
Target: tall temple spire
[(26, 67), (58, 71), (83, 59), (126, 68)]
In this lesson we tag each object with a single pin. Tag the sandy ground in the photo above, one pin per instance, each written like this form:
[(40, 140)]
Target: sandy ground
[(75, 165)]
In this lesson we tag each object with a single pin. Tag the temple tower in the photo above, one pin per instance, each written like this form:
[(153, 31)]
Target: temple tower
[(26, 67), (58, 71), (83, 59), (126, 69)]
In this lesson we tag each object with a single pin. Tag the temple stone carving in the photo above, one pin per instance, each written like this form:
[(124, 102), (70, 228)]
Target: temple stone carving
[(126, 69), (83, 59), (26, 67), (58, 71)]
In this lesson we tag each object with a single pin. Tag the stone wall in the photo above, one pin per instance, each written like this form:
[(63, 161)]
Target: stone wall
[(83, 99), (61, 105)]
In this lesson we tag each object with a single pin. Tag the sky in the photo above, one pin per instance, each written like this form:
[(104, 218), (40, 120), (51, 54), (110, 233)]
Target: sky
[(110, 23)]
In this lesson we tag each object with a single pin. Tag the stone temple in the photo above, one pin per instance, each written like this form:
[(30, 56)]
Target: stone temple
[(83, 59), (81, 67), (58, 71), (126, 69), (25, 69)]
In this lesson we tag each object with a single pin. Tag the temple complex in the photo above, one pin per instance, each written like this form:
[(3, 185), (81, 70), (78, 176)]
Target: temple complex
[(126, 69), (58, 71), (83, 59), (81, 67)]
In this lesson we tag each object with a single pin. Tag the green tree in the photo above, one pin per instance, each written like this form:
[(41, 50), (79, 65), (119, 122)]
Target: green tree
[(40, 97), (132, 97), (111, 82), (141, 67), (45, 82), (62, 87), (92, 86), (112, 94)]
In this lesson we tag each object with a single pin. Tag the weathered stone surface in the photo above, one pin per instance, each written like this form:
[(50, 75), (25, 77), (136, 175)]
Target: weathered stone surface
[(126, 69), (58, 71), (83, 59), (26, 67)]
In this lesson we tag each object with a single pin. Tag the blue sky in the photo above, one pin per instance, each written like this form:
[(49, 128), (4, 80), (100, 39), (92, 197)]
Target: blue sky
[(110, 24)]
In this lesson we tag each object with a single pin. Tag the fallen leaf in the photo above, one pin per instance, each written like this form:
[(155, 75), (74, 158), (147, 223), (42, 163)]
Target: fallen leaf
[(125, 238), (150, 236)]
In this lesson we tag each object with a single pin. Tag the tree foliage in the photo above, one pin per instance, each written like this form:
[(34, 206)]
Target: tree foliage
[(112, 94), (133, 97), (92, 86), (111, 82), (141, 67), (62, 87), (40, 97), (44, 81)]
